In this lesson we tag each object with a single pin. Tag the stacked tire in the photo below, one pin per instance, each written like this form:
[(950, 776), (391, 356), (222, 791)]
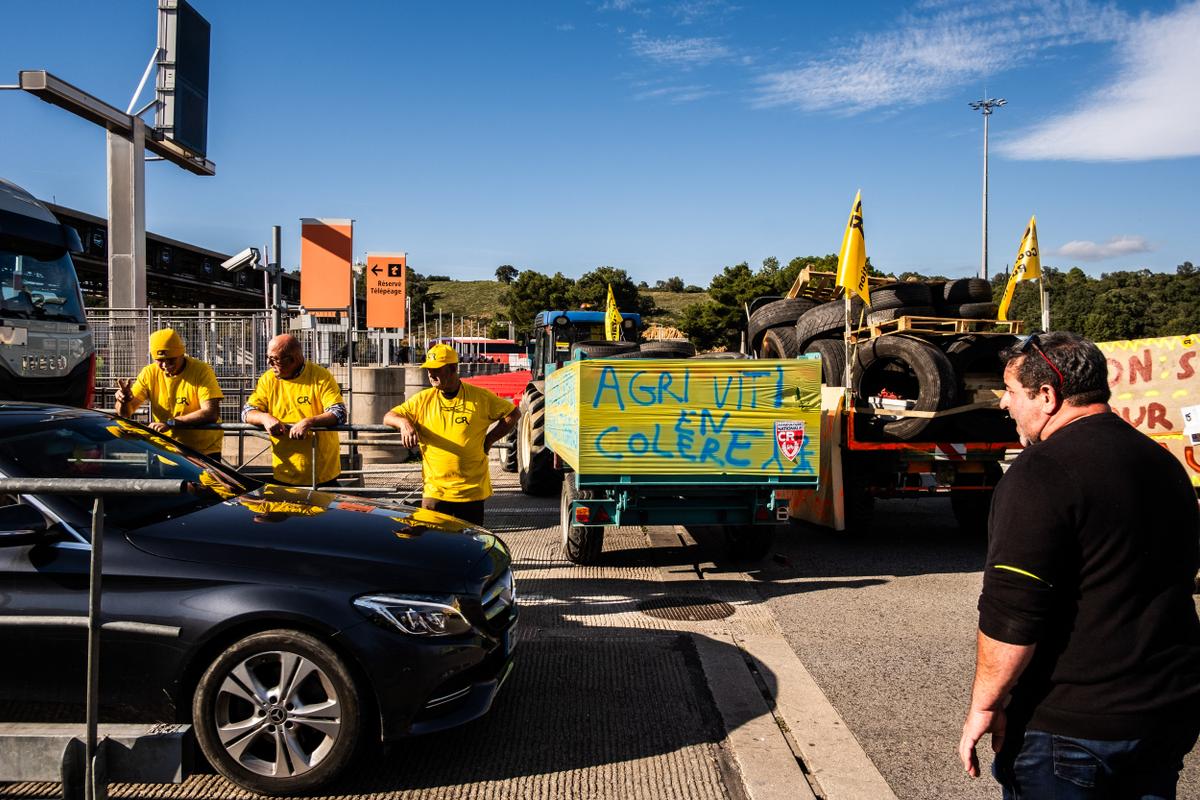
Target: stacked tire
[(906, 369), (778, 318)]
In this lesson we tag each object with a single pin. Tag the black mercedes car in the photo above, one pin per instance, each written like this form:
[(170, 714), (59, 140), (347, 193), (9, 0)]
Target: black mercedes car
[(287, 626)]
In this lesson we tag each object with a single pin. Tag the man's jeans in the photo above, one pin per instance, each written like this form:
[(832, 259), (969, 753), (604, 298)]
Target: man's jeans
[(1044, 765)]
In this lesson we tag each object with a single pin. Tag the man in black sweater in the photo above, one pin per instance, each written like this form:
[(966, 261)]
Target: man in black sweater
[(1087, 669)]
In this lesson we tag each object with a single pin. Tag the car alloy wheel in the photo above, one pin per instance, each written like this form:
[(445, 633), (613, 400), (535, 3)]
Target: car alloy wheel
[(277, 713)]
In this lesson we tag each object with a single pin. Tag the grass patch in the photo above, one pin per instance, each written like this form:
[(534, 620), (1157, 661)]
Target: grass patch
[(481, 299)]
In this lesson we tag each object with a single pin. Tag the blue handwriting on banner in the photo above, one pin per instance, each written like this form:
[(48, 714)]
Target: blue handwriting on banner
[(647, 388)]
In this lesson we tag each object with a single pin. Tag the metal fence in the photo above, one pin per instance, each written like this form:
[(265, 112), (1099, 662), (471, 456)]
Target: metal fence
[(234, 342)]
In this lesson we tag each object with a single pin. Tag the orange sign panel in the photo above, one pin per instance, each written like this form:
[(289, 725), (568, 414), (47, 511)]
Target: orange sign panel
[(326, 249), (385, 290)]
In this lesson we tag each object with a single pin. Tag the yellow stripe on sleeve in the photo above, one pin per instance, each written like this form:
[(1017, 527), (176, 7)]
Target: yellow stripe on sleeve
[(1026, 573)]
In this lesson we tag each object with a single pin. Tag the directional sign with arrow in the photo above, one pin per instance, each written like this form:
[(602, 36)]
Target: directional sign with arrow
[(386, 290)]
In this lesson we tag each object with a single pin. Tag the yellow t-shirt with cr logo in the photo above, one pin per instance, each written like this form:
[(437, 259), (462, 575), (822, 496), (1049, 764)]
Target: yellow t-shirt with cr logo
[(452, 433), (314, 391), (173, 396)]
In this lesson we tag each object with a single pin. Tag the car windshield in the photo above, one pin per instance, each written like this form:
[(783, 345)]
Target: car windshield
[(35, 289), (107, 447)]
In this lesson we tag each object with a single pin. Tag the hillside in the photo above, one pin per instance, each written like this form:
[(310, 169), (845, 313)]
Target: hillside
[(481, 299)]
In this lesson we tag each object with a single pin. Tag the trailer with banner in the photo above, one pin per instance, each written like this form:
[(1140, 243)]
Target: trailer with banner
[(693, 442)]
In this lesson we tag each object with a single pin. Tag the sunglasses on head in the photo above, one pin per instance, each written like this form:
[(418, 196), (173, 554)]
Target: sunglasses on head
[(1033, 342)]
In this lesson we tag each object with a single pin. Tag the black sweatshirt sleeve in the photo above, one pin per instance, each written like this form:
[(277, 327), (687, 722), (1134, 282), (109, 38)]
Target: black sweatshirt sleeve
[(1029, 536)]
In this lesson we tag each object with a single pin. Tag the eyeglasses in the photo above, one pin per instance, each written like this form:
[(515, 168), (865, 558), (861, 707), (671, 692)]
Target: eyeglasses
[(275, 361), (1032, 343)]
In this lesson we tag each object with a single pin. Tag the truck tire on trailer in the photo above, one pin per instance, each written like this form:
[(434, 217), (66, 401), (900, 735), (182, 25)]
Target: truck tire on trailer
[(966, 290), (909, 369), (833, 360), (773, 315), (668, 348), (779, 343), (605, 349), (899, 295), (889, 314), (535, 463), (974, 357), (972, 311), (581, 544), (825, 320)]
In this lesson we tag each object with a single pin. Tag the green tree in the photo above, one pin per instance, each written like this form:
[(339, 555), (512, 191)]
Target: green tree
[(592, 290), (506, 273), (532, 292)]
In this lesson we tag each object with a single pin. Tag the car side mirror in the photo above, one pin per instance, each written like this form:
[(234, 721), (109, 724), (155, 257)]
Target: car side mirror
[(21, 525)]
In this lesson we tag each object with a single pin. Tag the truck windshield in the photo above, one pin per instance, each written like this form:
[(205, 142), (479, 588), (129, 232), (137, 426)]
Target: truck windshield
[(35, 289)]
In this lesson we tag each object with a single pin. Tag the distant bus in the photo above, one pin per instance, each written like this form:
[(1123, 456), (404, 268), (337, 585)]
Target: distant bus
[(480, 349)]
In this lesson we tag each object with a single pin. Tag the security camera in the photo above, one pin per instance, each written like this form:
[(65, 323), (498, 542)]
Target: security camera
[(244, 259)]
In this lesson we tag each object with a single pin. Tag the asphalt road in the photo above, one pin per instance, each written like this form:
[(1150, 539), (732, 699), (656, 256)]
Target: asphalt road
[(886, 624)]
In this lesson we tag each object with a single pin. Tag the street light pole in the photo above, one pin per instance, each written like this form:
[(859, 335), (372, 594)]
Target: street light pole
[(987, 106)]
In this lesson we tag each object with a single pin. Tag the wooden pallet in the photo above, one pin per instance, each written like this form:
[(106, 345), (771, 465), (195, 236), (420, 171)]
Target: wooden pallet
[(938, 326), (822, 286)]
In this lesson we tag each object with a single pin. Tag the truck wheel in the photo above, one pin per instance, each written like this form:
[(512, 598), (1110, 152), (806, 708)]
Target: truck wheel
[(972, 507), (749, 542), (857, 501), (535, 464), (508, 456), (581, 544)]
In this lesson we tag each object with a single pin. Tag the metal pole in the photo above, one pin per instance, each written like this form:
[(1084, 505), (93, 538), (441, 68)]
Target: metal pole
[(277, 280), (986, 106), (92, 701), (983, 269)]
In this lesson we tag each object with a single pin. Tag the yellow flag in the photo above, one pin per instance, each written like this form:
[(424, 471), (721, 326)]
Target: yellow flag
[(1027, 267), (612, 318), (852, 260)]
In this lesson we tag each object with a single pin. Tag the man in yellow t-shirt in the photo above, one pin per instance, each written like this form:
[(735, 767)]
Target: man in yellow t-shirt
[(450, 422), (291, 398), (182, 391)]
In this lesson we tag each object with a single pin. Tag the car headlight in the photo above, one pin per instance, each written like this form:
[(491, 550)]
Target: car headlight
[(416, 615)]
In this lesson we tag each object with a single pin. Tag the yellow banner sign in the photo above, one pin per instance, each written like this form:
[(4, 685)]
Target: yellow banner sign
[(686, 417), (1154, 383)]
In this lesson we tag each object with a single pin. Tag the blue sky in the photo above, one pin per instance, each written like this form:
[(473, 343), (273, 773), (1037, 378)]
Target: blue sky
[(668, 138)]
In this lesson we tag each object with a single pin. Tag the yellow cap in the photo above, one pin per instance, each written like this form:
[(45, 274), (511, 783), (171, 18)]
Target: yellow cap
[(165, 344), (439, 356)]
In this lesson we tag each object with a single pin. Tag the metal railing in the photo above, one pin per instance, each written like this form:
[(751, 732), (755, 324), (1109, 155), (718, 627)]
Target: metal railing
[(95, 778)]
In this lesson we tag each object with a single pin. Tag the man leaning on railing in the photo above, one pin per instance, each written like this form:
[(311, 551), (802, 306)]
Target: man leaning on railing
[(292, 397)]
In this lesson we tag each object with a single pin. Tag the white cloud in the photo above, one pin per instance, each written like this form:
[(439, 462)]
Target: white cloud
[(1151, 110), (677, 94), (935, 49), (565, 26), (1114, 247), (690, 52)]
